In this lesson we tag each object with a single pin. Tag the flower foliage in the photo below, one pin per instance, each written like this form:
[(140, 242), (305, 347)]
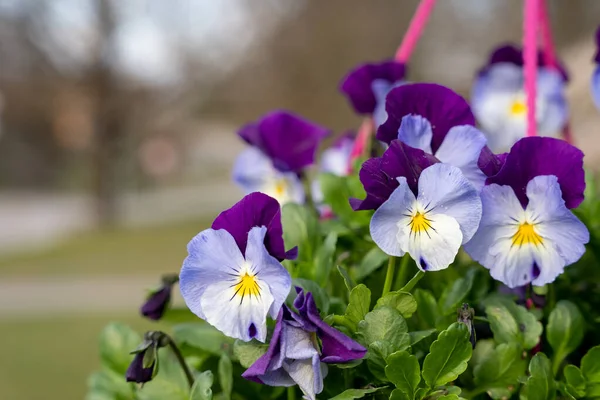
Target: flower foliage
[(428, 268)]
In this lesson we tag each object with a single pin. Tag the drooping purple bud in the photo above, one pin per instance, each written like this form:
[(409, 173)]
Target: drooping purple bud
[(136, 371), (157, 302)]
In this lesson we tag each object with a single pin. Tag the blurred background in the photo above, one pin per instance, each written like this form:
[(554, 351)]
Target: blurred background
[(117, 136)]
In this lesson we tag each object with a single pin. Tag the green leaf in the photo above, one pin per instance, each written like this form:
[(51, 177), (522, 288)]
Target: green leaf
[(403, 302), (201, 336), (336, 192), (170, 383), (575, 380), (319, 294), (540, 385), (178, 315), (564, 331), (377, 353), (300, 228), (500, 367), (590, 368), (374, 259), (202, 387), (417, 336), (248, 352), (448, 356), (403, 371), (398, 394), (347, 279), (109, 383), (454, 295), (324, 258), (387, 325), (226, 376), (116, 342), (428, 310), (354, 394), (512, 323), (358, 306)]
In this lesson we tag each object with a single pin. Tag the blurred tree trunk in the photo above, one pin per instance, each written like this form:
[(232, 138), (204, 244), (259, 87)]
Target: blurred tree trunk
[(109, 125)]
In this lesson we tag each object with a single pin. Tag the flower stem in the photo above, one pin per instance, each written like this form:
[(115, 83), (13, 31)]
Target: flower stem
[(403, 273), (184, 366), (389, 276), (415, 279), (291, 393)]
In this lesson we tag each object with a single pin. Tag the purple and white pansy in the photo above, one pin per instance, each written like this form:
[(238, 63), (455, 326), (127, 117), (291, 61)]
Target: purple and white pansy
[(595, 84), (367, 86), (498, 98), (528, 233), (283, 145), (232, 277)]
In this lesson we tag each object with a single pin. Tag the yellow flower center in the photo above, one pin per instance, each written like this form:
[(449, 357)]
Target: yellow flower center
[(419, 223), (526, 234), (247, 286), (280, 187), (518, 108)]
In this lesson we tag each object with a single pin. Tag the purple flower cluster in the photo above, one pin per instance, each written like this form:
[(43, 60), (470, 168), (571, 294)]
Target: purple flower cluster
[(438, 186)]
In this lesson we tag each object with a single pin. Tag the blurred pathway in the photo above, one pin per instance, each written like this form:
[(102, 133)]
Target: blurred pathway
[(39, 297)]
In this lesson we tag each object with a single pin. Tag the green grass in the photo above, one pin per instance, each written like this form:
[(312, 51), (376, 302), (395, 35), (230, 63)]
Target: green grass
[(50, 359), (121, 251)]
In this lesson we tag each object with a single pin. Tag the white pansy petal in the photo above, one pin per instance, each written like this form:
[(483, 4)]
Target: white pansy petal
[(511, 265), (554, 115), (436, 247), (212, 257), (443, 189), (501, 210), (461, 148), (307, 374), (549, 265), (555, 222), (416, 132), (253, 170), (390, 218), (238, 315), (267, 269)]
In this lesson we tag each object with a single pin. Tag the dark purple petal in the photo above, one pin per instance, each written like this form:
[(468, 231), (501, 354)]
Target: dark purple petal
[(156, 303), (378, 175), (597, 56), (489, 162), (357, 84), (136, 371), (535, 156), (335, 346), (509, 53), (289, 141), (441, 106), (256, 209)]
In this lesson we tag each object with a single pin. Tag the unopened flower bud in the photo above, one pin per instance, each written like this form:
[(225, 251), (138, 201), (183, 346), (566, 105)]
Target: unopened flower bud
[(158, 300)]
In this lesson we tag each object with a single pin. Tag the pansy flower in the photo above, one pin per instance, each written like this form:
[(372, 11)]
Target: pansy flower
[(498, 98), (438, 121), (596, 75), (232, 277), (528, 233), (367, 85), (283, 144), (301, 346), (423, 207)]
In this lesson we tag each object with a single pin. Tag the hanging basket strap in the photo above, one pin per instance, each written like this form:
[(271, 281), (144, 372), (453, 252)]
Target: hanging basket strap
[(530, 30), (415, 30)]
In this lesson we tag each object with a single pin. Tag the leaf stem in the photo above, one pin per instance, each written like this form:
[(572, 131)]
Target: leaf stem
[(181, 360), (389, 276), (403, 273), (415, 279), (291, 393)]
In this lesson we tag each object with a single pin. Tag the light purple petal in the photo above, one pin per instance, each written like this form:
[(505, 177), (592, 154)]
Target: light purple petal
[(255, 209), (416, 132), (535, 156), (384, 226), (357, 85), (462, 148), (442, 107), (268, 268), (444, 190), (290, 141), (556, 222), (596, 87), (379, 175)]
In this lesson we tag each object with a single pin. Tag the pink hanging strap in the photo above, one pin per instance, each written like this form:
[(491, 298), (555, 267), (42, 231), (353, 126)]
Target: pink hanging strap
[(360, 143), (415, 29), (530, 29)]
